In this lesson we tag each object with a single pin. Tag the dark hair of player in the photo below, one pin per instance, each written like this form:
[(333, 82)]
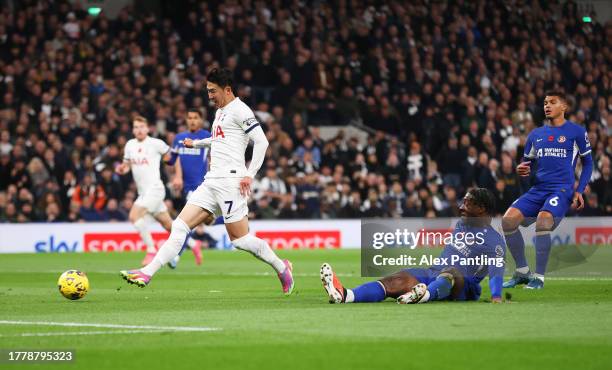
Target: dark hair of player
[(221, 76), (195, 110), (559, 94), (483, 198)]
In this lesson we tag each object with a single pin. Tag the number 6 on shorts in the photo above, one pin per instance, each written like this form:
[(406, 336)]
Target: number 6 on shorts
[(553, 201)]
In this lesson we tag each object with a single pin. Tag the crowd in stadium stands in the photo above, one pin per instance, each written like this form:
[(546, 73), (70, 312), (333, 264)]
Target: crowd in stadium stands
[(449, 89)]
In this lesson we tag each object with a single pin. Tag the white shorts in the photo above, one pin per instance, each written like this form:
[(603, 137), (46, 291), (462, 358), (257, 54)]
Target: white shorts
[(221, 196), (152, 201)]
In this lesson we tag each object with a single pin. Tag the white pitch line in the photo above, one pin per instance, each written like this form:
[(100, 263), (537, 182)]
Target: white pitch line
[(307, 274), (52, 334), (110, 326), (579, 278)]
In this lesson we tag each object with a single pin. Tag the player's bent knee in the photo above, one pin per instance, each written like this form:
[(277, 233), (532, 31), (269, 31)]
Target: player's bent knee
[(140, 223), (451, 273), (136, 213), (545, 221), (398, 283), (210, 219), (456, 279), (508, 225), (510, 222)]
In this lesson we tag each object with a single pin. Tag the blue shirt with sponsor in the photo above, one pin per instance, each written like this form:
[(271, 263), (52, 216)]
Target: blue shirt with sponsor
[(555, 149), (193, 160)]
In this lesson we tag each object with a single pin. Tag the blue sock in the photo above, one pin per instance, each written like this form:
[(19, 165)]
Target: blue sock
[(516, 244), (370, 292), (542, 246), (439, 289)]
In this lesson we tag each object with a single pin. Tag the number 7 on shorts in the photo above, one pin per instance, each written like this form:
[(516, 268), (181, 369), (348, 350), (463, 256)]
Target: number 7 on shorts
[(229, 203)]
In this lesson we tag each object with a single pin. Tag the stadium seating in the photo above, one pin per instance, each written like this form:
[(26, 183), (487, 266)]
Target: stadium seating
[(439, 100)]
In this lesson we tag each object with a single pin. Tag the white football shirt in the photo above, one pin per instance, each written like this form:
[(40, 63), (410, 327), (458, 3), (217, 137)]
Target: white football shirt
[(144, 158), (230, 139)]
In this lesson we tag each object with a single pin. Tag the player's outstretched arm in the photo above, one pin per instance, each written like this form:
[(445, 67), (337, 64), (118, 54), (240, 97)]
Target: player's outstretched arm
[(204, 143), (585, 177)]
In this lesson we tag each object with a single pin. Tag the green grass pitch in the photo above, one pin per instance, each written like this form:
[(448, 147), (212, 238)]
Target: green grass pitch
[(568, 325)]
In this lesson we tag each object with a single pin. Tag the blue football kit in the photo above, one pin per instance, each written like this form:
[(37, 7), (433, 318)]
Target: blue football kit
[(194, 161), (489, 250), (555, 151), (475, 260)]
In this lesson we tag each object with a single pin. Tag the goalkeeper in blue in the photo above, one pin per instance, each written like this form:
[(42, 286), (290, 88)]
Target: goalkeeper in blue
[(191, 165), (451, 279), (551, 151)]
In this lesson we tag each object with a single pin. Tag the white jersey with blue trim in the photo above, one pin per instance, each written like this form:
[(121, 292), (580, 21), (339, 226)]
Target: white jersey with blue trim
[(230, 138), (144, 158), (555, 150)]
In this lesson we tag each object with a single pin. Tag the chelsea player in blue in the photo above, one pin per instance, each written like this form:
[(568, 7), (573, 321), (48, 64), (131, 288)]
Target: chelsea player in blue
[(551, 151), (458, 275), (190, 168)]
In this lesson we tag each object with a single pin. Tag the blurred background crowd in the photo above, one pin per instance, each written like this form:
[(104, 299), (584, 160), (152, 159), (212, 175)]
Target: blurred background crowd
[(446, 92)]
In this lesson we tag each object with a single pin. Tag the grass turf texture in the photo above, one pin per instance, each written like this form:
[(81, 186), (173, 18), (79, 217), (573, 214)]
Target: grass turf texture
[(568, 325)]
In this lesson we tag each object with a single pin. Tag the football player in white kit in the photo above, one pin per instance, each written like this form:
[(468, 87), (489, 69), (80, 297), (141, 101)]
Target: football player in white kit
[(143, 155), (226, 187)]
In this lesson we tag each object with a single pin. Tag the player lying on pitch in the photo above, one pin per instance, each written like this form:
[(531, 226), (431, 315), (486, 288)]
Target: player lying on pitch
[(438, 282)]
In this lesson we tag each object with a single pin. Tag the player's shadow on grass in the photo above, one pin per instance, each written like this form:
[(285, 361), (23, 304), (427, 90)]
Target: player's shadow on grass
[(564, 256)]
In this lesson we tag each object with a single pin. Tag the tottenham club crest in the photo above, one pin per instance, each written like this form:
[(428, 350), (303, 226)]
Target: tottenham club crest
[(561, 139)]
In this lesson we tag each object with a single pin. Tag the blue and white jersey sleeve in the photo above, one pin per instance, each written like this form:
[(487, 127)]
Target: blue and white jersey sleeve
[(584, 150), (530, 150), (582, 141)]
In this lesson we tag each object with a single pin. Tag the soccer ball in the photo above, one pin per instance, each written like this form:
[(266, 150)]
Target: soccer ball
[(73, 284)]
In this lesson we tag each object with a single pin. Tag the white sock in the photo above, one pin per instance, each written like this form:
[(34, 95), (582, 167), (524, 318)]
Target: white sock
[(523, 270), (170, 249), (260, 249), (425, 298), (350, 296), (541, 277), (142, 226), (191, 243)]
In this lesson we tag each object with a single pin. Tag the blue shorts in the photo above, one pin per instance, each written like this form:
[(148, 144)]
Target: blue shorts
[(555, 201), (471, 287)]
